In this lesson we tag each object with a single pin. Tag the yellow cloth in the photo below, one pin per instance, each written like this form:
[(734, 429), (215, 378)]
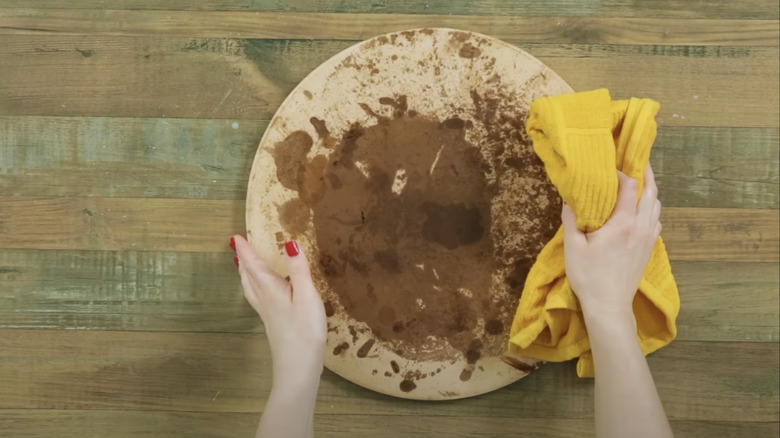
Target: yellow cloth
[(582, 139)]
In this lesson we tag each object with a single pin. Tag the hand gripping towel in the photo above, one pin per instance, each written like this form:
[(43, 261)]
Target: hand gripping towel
[(583, 138)]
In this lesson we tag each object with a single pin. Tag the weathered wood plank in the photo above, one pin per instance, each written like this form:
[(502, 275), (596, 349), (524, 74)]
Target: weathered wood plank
[(727, 301), (203, 225), (126, 157), (39, 423), (44, 369), (356, 26), (101, 290), (208, 158), (111, 76), (200, 292), (748, 9)]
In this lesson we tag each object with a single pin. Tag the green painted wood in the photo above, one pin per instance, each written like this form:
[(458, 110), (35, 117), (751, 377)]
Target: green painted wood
[(170, 77), (749, 9), (200, 292), (211, 159), (51, 369), (36, 423)]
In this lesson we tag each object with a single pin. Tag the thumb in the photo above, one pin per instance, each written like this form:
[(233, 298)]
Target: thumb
[(571, 234), (626, 199), (300, 274)]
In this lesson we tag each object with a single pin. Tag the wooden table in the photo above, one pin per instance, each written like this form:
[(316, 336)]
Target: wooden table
[(126, 138)]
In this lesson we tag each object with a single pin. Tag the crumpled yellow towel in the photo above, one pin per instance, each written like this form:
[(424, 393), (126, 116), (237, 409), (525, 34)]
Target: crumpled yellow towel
[(582, 139)]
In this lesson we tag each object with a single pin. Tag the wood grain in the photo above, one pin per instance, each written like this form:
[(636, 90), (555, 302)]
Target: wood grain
[(356, 26), (120, 76), (211, 158), (748, 9), (200, 292), (21, 423), (46, 369), (203, 225)]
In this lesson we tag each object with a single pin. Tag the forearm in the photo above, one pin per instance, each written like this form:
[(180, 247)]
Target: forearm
[(289, 412), (627, 402)]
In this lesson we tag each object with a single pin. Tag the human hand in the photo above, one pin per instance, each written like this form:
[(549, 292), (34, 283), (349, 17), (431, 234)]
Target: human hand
[(292, 312), (605, 267)]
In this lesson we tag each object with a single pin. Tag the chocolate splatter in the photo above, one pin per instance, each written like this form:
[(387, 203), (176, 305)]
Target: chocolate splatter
[(340, 348), (469, 51), (402, 214), (365, 348), (465, 375), (494, 327), (395, 367), (407, 386)]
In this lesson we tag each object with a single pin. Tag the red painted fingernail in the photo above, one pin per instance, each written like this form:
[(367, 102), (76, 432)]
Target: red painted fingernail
[(232, 243), (235, 260), (292, 248)]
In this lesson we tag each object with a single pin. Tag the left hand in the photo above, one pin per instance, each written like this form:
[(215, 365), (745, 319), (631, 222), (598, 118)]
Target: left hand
[(292, 312)]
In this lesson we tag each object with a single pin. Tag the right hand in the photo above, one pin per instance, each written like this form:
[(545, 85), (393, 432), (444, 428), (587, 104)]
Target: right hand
[(605, 267)]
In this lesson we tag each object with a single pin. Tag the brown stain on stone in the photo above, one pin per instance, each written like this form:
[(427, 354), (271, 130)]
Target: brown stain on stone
[(308, 94), (365, 348), (494, 327), (407, 385), (289, 154), (399, 261), (395, 367), (342, 347), (294, 216), (329, 310), (465, 375), (468, 51), (320, 127)]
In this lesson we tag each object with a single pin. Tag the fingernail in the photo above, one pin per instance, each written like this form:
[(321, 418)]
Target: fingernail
[(235, 260), (232, 243), (292, 248)]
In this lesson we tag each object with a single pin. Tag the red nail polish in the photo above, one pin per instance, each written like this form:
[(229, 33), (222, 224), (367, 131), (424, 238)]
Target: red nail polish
[(232, 243), (235, 260), (292, 248)]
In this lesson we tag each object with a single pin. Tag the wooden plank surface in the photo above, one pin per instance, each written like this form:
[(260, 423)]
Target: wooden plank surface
[(358, 26), (127, 130), (200, 292), (33, 423), (175, 158), (49, 369), (748, 9), (121, 76), (157, 224)]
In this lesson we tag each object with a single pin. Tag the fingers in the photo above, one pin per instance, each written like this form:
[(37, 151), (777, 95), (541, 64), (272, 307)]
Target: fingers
[(572, 236), (649, 193), (300, 275), (626, 201), (249, 264)]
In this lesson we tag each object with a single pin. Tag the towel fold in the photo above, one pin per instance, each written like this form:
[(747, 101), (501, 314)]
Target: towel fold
[(582, 138)]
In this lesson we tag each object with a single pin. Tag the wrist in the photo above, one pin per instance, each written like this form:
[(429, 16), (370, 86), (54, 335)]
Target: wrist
[(613, 323)]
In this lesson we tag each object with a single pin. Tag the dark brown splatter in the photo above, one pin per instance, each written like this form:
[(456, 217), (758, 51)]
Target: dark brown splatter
[(365, 348), (320, 127), (329, 310), (308, 94), (294, 216), (395, 367), (342, 347), (469, 51), (494, 327), (407, 386), (289, 155), (465, 375)]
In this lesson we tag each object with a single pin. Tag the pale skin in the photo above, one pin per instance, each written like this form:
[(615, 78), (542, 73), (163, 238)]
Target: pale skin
[(604, 269)]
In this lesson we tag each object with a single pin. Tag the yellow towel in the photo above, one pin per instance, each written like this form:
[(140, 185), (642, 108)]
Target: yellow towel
[(582, 139)]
